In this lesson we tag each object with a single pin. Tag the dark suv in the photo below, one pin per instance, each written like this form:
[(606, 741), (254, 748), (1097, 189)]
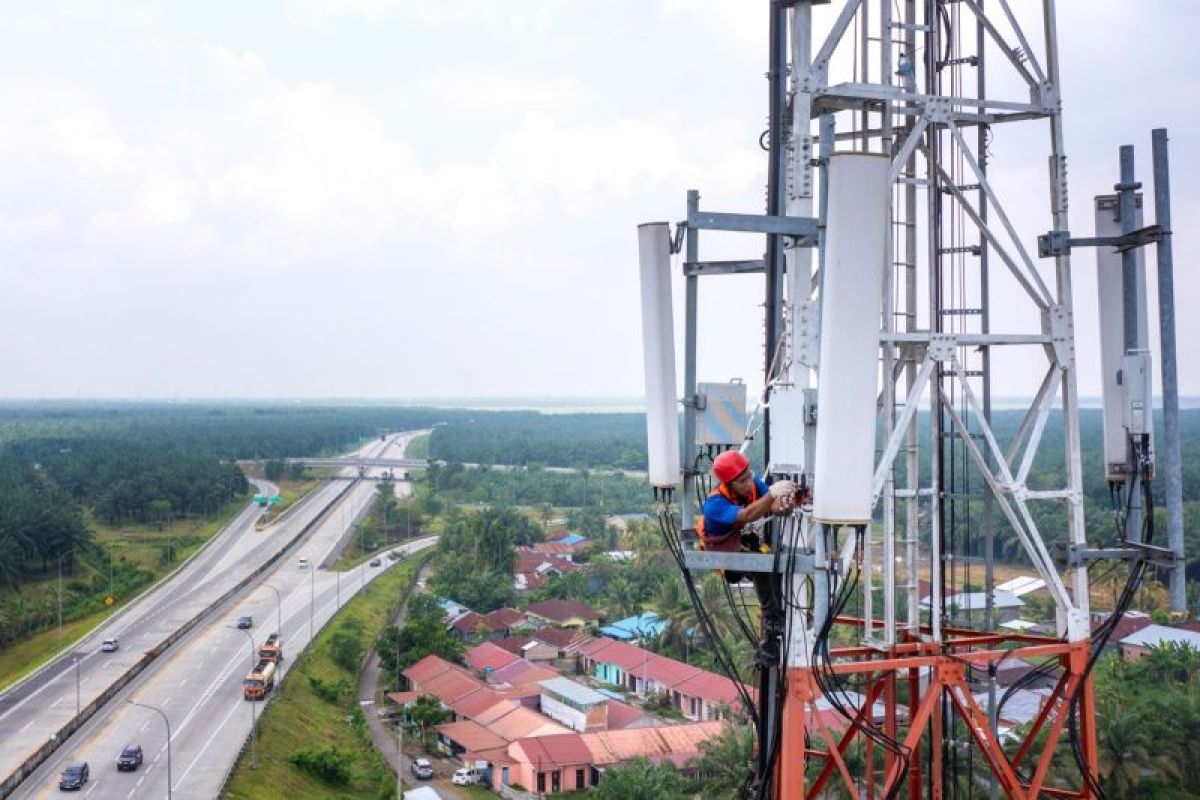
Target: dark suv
[(74, 776), (130, 758)]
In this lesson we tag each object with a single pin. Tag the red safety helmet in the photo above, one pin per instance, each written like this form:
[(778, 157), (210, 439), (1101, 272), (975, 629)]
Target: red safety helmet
[(729, 465)]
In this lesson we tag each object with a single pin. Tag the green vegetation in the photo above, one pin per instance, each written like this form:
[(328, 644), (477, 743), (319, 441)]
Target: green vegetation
[(423, 633), (476, 555), (418, 447), (313, 740), (1147, 727), (641, 779), (534, 486), (138, 555), (388, 523), (528, 437)]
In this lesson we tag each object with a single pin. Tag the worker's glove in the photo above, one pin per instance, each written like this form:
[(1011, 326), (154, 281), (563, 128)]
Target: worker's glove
[(781, 489)]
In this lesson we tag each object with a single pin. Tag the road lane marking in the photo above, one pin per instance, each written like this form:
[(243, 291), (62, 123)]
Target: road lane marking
[(232, 710)]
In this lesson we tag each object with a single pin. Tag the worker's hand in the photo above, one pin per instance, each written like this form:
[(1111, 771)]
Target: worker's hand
[(781, 489)]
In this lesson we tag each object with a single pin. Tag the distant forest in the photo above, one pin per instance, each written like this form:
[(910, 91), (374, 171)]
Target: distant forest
[(143, 462)]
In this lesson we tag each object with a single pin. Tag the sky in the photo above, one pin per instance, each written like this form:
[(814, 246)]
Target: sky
[(439, 198)]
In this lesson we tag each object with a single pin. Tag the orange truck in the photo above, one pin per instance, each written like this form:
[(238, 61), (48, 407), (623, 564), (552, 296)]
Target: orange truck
[(272, 649), (259, 681)]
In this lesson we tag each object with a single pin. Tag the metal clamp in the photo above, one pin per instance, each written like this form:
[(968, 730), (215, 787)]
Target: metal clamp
[(1059, 243)]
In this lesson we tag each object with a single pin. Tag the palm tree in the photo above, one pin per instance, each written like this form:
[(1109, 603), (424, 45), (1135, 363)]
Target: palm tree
[(724, 761), (1124, 748), (622, 597)]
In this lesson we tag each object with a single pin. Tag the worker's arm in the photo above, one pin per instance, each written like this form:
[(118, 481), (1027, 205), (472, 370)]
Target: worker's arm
[(756, 510)]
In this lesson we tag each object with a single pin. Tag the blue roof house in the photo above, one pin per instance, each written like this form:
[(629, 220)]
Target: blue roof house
[(635, 628)]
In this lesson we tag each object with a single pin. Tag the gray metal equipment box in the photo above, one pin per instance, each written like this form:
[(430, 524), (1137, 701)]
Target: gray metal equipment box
[(721, 419)]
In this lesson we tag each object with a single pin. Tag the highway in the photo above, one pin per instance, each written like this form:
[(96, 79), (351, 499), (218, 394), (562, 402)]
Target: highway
[(197, 682)]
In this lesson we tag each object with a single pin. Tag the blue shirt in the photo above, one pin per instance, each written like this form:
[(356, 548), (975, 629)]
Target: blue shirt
[(720, 515)]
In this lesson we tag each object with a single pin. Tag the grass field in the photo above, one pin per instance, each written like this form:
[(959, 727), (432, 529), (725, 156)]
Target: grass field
[(418, 447), (300, 718)]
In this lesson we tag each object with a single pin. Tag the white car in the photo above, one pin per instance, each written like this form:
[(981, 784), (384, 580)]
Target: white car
[(466, 776), (110, 645), (302, 563)]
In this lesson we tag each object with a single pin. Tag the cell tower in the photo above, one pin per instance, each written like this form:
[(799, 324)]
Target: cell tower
[(887, 244)]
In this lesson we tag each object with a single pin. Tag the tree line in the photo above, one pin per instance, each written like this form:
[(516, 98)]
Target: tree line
[(123, 481)]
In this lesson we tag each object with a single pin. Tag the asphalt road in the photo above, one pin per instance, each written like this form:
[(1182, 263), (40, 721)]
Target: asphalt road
[(197, 682)]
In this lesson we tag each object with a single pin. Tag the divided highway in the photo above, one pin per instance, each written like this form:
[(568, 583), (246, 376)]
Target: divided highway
[(196, 682)]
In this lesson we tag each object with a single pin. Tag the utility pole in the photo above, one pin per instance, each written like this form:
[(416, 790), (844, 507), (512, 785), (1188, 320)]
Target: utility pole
[(60, 597), (400, 757)]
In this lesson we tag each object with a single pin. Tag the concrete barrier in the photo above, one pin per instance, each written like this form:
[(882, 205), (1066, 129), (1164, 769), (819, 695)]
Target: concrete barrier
[(39, 757)]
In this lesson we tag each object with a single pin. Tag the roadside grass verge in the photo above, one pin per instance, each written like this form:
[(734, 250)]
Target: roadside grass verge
[(300, 721), (418, 447), (122, 562)]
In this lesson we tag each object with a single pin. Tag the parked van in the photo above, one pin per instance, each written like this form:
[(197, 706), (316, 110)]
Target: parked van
[(466, 776)]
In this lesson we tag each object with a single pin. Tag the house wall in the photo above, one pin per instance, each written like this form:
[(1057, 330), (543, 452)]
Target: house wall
[(541, 652), (1133, 652), (572, 718), (522, 773)]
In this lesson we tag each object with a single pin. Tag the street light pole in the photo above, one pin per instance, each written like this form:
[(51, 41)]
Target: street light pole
[(312, 599), (278, 609), (77, 686), (253, 714), (167, 722), (278, 630), (60, 596)]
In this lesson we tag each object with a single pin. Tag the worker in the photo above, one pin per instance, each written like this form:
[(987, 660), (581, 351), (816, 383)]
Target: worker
[(740, 498)]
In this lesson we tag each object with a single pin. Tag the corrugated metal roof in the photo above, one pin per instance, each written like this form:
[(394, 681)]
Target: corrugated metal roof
[(711, 687), (562, 610), (577, 692), (427, 668), (622, 715), (475, 703), (450, 686), (1021, 585), (488, 656), (522, 722), (977, 601), (554, 752), (470, 735), (1156, 635)]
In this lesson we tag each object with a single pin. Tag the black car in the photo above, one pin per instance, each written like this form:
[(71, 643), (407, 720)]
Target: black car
[(245, 622), (130, 758), (74, 777), (375, 562)]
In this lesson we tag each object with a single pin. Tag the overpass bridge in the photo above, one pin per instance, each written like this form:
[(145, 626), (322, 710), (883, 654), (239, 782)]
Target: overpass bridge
[(402, 464)]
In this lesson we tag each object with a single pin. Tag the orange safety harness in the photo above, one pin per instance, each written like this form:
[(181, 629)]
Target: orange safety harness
[(723, 490)]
